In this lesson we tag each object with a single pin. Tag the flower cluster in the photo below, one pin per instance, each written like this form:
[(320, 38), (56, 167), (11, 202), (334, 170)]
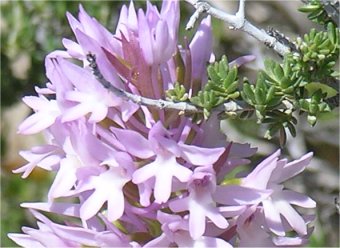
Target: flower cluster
[(135, 176)]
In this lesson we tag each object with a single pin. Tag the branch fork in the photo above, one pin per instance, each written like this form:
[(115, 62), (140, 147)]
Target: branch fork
[(237, 21)]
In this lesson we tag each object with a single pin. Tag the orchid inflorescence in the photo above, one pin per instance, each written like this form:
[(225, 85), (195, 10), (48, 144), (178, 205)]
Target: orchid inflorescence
[(132, 171)]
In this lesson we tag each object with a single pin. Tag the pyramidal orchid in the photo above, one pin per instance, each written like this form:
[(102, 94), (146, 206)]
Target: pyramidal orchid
[(131, 175)]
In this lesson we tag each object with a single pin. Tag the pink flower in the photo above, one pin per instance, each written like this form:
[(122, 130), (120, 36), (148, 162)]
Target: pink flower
[(45, 156), (131, 175), (46, 113), (200, 203), (165, 166), (51, 234), (269, 174), (175, 231)]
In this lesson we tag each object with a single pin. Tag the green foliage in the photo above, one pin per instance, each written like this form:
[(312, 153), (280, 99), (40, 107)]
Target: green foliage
[(314, 106), (279, 121), (222, 86), (262, 96), (177, 94), (207, 100), (319, 48), (322, 11), (281, 77), (302, 83), (223, 80)]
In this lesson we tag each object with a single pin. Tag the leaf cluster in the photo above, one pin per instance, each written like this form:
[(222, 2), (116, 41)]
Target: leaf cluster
[(221, 86), (273, 96), (322, 11), (314, 66), (302, 83), (177, 94)]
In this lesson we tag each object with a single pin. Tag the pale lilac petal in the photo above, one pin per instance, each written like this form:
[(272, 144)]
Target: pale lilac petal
[(122, 21), (46, 115), (127, 109), (293, 218), (59, 82), (152, 14), (163, 169), (298, 199), (199, 155), (252, 235), (170, 13), (260, 176), (65, 178), (76, 112), (115, 205), (168, 168), (160, 241), (197, 222), (238, 195), (144, 173), (231, 211), (99, 112), (183, 174), (74, 23), (77, 96), (41, 156), (242, 60), (82, 79), (112, 179), (37, 122), (180, 204), (211, 242), (44, 91), (201, 49), (91, 27), (144, 34), (58, 53), (92, 205), (69, 209), (73, 48), (133, 142), (35, 103), (217, 218), (163, 184), (161, 51), (273, 218), (25, 240), (132, 20), (170, 145), (145, 192), (97, 31), (50, 162), (45, 237), (290, 241), (76, 234), (295, 167), (89, 44)]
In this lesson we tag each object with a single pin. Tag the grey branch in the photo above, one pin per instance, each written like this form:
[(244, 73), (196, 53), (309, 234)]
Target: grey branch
[(159, 103), (332, 9), (237, 21)]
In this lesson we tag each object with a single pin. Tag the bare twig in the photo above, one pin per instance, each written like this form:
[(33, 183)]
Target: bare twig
[(237, 21), (156, 103)]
